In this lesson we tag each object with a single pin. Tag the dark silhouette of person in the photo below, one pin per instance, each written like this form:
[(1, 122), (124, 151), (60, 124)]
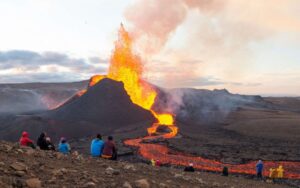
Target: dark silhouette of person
[(189, 168), (225, 171), (41, 141)]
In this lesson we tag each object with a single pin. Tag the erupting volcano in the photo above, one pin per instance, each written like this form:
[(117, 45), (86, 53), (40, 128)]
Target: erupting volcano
[(126, 71), (127, 67)]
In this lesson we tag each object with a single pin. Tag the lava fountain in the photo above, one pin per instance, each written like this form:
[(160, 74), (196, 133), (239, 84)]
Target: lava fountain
[(127, 67)]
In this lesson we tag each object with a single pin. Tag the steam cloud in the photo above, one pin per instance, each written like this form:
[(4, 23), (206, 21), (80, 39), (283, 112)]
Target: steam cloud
[(219, 33), (220, 29), (232, 22)]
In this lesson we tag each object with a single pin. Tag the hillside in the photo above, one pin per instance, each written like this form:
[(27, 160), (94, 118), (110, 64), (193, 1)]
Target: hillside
[(104, 108), (25, 167), (216, 124)]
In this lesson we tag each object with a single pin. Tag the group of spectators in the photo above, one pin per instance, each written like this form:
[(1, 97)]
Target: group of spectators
[(99, 148), (44, 143), (108, 150)]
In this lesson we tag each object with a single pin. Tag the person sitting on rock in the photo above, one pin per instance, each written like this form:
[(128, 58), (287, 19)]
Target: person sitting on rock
[(41, 141), (97, 146), (63, 146), (259, 169), (26, 141), (50, 144), (189, 168), (109, 149)]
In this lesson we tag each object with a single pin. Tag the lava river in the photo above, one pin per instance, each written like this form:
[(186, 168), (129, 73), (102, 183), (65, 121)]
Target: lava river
[(168, 156)]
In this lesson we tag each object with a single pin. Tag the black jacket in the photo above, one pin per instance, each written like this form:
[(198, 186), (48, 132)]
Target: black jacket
[(42, 143), (189, 169)]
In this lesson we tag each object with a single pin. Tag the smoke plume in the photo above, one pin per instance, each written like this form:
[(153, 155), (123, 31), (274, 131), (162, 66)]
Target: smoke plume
[(217, 32), (154, 21)]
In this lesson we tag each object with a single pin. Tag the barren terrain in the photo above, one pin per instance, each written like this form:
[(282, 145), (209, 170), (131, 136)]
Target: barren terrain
[(215, 124), (25, 167)]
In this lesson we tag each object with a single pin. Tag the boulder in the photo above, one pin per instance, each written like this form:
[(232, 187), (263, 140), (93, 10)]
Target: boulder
[(111, 171), (129, 167), (18, 166), (142, 183), (126, 184), (33, 183), (90, 185)]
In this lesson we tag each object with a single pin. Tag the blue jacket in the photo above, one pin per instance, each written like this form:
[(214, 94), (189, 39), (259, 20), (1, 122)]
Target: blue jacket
[(259, 167), (97, 147), (64, 148)]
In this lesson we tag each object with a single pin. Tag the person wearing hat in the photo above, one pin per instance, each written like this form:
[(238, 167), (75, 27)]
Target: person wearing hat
[(25, 140), (63, 146), (259, 169)]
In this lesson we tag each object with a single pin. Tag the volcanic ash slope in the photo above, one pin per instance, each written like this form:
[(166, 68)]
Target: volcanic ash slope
[(104, 108)]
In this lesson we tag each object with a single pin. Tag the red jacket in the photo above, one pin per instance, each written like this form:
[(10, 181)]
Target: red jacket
[(109, 148), (24, 140)]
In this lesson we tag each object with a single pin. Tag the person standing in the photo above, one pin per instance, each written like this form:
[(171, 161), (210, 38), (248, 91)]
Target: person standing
[(97, 146), (272, 173), (225, 171), (259, 169), (280, 171)]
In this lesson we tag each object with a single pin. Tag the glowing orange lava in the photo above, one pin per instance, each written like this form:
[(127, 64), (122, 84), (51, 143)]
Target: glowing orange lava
[(80, 93), (167, 156), (95, 79), (127, 67)]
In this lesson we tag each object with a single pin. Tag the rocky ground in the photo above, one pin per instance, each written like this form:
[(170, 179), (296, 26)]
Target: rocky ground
[(25, 167), (247, 134)]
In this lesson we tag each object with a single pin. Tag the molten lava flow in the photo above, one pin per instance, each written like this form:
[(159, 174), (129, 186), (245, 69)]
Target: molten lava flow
[(167, 156), (127, 67), (80, 93)]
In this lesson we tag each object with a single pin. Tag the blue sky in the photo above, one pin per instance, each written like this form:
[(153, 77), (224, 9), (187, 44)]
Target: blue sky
[(246, 47)]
